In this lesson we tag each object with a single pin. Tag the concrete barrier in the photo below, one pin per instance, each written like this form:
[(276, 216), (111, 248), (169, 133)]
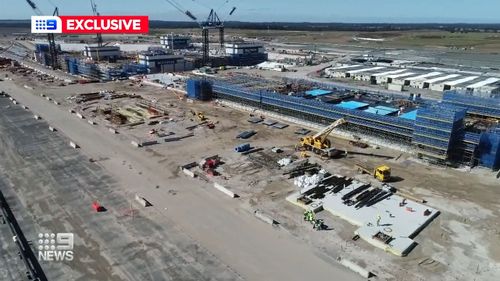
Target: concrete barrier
[(42, 95), (71, 111), (265, 218), (355, 267), (188, 172), (37, 117), (113, 131), (11, 98), (79, 115), (136, 144), (225, 190), (143, 202), (56, 102), (91, 122), (14, 102), (52, 129), (25, 107), (73, 145), (48, 98), (28, 87)]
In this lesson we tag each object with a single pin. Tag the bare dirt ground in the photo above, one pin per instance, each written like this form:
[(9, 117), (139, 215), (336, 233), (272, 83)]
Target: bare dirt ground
[(461, 244), (230, 235)]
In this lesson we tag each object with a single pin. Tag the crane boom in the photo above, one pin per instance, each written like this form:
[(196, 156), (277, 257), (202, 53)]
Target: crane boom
[(327, 130)]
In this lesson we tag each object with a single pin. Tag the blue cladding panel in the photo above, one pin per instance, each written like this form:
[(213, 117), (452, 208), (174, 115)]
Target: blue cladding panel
[(489, 150), (476, 105), (352, 105), (378, 111), (318, 92), (412, 115)]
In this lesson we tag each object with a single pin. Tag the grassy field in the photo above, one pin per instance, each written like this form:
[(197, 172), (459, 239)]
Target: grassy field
[(486, 42)]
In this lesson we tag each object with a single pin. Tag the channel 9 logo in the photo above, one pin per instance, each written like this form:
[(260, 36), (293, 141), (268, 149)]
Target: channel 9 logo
[(46, 24), (55, 246)]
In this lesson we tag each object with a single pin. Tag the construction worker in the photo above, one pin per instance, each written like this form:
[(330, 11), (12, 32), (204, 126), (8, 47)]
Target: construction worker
[(309, 216), (318, 225)]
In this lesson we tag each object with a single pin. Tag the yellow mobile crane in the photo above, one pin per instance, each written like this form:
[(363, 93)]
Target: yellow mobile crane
[(319, 143)]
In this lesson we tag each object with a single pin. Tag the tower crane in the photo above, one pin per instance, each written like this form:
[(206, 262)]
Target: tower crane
[(54, 63), (319, 143), (212, 22), (96, 13)]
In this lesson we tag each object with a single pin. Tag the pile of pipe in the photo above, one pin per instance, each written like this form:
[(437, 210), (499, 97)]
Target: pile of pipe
[(284, 162), (307, 182)]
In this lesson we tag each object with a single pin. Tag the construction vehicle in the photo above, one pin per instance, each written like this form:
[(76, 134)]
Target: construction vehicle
[(381, 173), (319, 143), (200, 115)]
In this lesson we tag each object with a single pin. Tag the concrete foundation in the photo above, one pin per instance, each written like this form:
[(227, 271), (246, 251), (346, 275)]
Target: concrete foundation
[(399, 222)]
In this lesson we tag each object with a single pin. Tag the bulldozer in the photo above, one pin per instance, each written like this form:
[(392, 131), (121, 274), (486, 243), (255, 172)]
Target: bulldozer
[(319, 143)]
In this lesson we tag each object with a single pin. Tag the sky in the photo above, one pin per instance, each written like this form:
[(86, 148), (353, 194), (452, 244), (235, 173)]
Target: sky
[(362, 11)]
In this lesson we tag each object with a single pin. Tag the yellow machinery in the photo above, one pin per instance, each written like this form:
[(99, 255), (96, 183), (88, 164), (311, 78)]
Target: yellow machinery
[(319, 143), (381, 173), (200, 115)]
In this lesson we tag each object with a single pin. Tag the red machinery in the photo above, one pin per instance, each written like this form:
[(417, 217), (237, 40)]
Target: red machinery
[(97, 207), (210, 164)]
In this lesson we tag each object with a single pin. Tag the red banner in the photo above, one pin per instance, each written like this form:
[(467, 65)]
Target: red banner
[(105, 24)]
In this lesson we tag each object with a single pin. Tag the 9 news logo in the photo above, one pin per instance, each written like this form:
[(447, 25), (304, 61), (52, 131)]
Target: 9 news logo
[(46, 24)]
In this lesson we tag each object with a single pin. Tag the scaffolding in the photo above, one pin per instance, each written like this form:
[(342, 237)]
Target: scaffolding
[(486, 107), (437, 134), (437, 130)]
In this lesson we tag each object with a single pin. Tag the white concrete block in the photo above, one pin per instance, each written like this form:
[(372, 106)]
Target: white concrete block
[(136, 144), (73, 145), (37, 117), (225, 190), (48, 98), (263, 217), (11, 98), (25, 107), (113, 131), (14, 102), (91, 122), (188, 172), (52, 129), (71, 110), (143, 202), (354, 267), (56, 102), (79, 115)]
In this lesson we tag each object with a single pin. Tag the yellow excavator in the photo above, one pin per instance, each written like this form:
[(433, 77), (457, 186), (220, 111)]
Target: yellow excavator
[(319, 143)]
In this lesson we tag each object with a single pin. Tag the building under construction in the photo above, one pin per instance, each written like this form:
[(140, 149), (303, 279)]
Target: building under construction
[(444, 132)]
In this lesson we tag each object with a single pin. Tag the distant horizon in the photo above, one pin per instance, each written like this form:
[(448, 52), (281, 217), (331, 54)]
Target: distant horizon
[(315, 11), (313, 22)]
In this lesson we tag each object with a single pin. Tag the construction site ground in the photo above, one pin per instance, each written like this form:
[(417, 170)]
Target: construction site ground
[(216, 237)]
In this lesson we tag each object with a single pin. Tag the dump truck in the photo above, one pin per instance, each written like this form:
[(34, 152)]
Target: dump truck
[(381, 173)]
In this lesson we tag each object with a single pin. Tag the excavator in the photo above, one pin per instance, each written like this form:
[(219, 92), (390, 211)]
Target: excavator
[(319, 143)]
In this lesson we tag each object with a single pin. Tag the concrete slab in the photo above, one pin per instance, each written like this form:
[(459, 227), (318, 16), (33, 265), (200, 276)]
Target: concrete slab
[(400, 223)]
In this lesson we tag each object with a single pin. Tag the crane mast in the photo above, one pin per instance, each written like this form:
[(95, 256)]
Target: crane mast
[(96, 13), (53, 54)]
